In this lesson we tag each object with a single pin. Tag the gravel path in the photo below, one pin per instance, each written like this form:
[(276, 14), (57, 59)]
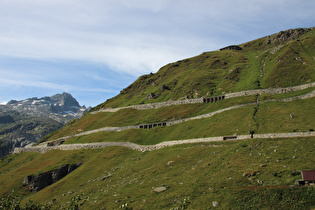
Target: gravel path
[(143, 148), (200, 100), (108, 129)]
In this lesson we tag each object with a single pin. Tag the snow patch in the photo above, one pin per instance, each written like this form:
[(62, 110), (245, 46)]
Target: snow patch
[(69, 112)]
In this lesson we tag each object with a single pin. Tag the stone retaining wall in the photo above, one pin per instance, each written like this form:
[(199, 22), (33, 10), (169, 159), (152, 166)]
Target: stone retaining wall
[(104, 129), (153, 105), (143, 148), (152, 125), (284, 135), (270, 90), (202, 100)]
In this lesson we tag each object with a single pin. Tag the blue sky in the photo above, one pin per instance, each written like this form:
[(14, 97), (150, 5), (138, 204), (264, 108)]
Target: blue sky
[(93, 49)]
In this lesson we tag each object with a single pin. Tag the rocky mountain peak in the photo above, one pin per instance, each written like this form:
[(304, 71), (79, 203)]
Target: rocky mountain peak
[(26, 121), (64, 98), (64, 103)]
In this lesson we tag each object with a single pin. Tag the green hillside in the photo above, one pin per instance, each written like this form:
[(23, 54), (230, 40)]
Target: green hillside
[(199, 175), (238, 174), (266, 118), (272, 61)]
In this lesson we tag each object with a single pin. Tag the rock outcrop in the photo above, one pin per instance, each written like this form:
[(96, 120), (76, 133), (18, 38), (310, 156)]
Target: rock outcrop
[(150, 96), (288, 35), (40, 181)]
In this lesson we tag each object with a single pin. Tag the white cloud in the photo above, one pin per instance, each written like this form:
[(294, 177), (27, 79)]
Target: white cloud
[(130, 36), (52, 86), (133, 36), (37, 80)]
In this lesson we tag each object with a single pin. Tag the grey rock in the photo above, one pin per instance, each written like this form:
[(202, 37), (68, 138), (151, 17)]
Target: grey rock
[(251, 173), (160, 189), (163, 87), (107, 176), (70, 192), (288, 35), (215, 204), (150, 96)]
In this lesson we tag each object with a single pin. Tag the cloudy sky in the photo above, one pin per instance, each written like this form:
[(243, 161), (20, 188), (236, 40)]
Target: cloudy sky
[(94, 48)]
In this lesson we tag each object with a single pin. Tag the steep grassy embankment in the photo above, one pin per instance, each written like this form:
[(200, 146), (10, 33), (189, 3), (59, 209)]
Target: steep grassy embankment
[(235, 174), (280, 60), (269, 117)]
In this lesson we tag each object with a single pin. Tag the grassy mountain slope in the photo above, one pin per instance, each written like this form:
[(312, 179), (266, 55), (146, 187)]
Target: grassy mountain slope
[(200, 174), (273, 61), (247, 174), (280, 60), (265, 118)]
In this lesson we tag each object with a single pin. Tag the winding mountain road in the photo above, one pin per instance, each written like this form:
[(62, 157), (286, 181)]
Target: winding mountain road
[(44, 147), (144, 148), (168, 123)]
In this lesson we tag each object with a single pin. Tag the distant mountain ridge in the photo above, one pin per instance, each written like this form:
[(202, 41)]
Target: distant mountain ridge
[(24, 122), (60, 107)]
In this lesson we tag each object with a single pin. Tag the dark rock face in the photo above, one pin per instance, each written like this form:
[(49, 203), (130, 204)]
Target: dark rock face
[(6, 119), (163, 88), (59, 173), (73, 167), (24, 132), (55, 143), (232, 47), (39, 182), (150, 96), (7, 145)]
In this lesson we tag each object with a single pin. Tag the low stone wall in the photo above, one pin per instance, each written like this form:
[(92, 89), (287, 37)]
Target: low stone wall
[(270, 91), (39, 149), (147, 126), (205, 100), (284, 135), (153, 105), (169, 123), (105, 129), (143, 148)]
